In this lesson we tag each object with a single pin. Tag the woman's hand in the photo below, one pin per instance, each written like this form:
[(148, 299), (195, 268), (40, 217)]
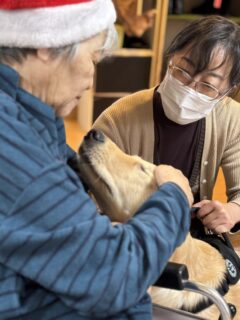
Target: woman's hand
[(217, 216), (164, 173)]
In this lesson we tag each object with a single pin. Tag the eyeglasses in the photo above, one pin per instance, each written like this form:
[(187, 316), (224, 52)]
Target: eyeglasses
[(186, 79)]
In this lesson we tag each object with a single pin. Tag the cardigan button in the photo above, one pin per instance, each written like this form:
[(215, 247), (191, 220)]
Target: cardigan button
[(204, 181), (205, 163)]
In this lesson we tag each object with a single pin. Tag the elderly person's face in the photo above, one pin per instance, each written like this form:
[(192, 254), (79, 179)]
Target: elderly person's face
[(60, 81)]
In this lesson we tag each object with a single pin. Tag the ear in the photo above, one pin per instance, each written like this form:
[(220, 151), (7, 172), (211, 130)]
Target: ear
[(43, 54), (235, 90)]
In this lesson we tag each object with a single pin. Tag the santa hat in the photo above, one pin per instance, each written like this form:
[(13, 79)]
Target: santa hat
[(52, 23)]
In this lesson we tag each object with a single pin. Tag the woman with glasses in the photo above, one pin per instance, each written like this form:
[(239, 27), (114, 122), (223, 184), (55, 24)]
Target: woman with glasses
[(189, 121)]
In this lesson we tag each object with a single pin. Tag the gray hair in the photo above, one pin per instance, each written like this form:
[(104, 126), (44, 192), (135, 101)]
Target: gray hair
[(10, 55)]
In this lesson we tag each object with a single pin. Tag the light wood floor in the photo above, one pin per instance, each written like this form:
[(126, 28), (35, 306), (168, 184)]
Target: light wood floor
[(74, 138)]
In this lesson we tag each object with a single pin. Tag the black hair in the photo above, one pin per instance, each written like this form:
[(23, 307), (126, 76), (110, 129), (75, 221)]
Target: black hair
[(202, 36)]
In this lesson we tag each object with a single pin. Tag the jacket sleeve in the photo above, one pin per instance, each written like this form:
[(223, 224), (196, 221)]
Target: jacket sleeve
[(227, 145), (55, 237), (231, 170), (129, 123)]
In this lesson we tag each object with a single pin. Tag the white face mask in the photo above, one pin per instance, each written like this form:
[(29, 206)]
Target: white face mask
[(183, 104)]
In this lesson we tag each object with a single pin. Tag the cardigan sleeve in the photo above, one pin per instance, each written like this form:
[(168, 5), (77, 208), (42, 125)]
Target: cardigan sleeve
[(110, 122), (231, 169), (129, 123), (230, 142)]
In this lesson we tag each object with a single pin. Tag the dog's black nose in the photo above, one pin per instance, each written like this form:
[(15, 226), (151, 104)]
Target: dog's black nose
[(95, 135)]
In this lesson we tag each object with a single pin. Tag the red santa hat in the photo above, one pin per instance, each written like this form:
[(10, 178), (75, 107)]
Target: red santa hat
[(52, 23)]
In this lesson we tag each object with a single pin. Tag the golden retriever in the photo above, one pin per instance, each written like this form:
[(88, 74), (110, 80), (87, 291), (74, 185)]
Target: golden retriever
[(120, 184)]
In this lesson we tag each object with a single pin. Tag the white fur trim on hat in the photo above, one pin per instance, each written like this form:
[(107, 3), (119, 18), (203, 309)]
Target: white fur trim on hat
[(54, 27)]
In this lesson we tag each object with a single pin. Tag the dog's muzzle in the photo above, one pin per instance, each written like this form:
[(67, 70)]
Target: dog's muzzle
[(91, 138)]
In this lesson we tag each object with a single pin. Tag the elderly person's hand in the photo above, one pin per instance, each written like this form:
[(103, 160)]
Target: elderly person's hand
[(217, 216), (165, 173)]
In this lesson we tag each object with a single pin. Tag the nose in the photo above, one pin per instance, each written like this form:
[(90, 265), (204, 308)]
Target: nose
[(95, 135), (192, 84), (194, 81)]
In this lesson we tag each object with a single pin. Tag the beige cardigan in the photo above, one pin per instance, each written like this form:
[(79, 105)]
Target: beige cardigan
[(129, 123)]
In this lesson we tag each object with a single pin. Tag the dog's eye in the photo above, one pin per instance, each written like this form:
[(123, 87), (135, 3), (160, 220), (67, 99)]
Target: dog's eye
[(142, 168)]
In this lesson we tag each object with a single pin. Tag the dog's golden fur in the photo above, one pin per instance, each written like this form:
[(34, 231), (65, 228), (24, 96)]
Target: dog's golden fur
[(120, 183)]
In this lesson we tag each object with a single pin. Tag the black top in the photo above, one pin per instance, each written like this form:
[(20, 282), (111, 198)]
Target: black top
[(180, 146), (177, 145)]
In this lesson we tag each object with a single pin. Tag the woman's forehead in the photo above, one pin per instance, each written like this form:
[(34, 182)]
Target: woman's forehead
[(217, 60)]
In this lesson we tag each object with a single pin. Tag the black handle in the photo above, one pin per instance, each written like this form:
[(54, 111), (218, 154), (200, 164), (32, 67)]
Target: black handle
[(174, 276)]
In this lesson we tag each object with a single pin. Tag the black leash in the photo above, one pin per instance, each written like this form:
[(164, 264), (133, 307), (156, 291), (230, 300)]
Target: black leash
[(224, 245), (225, 236), (227, 240)]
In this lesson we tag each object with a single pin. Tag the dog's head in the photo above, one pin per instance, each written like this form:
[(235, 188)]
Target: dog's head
[(120, 183)]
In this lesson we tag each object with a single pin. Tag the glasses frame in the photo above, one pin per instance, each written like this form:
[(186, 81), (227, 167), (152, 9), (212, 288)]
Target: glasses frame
[(172, 66)]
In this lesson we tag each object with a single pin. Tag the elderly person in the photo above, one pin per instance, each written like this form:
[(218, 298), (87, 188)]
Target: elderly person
[(59, 258), (189, 121)]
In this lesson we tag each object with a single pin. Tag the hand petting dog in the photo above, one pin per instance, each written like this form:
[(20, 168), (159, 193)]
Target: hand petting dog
[(165, 173)]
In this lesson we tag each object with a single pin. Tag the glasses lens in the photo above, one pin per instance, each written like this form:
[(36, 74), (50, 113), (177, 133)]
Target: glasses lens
[(186, 79), (181, 75), (207, 90)]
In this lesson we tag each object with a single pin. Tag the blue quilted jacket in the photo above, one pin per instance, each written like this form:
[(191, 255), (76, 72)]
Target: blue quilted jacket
[(60, 259)]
